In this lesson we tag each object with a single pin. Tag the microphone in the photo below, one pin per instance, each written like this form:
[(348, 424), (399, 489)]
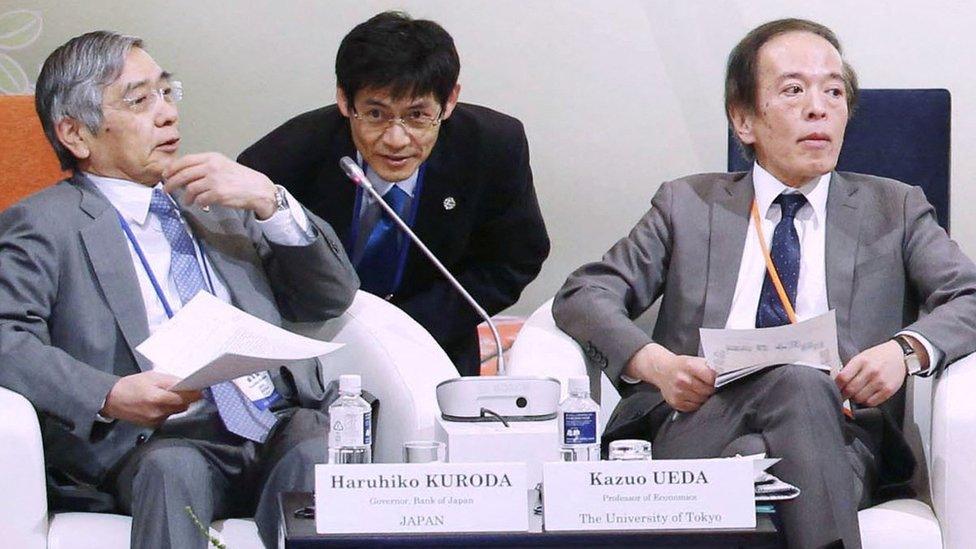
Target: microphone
[(514, 398)]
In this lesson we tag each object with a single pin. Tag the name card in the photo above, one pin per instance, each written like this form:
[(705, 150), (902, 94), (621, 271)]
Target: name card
[(649, 495), (421, 497)]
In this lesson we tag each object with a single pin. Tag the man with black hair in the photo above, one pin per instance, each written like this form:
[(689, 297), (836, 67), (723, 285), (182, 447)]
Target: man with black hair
[(457, 173), (865, 247)]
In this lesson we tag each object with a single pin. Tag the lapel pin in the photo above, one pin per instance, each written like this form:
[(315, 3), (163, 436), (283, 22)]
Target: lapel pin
[(449, 203)]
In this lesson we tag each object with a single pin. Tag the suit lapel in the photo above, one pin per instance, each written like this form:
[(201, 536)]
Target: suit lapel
[(111, 262), (338, 192), (843, 226), (728, 224)]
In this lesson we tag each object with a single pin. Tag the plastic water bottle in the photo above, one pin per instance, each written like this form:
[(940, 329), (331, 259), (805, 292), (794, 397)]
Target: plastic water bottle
[(579, 423), (350, 436)]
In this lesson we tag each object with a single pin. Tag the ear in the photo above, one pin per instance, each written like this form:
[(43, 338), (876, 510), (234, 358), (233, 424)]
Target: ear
[(74, 136), (452, 101), (743, 123), (341, 102)]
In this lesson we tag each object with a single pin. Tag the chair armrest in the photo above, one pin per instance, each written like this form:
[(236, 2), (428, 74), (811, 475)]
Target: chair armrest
[(400, 364), (542, 349), (23, 507), (953, 476)]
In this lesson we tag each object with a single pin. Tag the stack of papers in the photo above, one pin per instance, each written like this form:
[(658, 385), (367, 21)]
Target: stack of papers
[(209, 341), (735, 354)]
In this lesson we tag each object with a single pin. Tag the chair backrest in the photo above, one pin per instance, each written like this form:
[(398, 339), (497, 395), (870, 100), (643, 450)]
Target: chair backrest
[(901, 134), (400, 364), (27, 161)]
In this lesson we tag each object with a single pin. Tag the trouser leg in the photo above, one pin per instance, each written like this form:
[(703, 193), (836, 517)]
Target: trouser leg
[(796, 410), (287, 464)]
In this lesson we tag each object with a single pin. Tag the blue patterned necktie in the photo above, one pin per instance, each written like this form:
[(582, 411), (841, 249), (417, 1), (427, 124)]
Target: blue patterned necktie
[(785, 254), (378, 267), (239, 414)]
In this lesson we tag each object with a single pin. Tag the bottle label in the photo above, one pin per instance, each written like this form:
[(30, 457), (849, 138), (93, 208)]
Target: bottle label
[(579, 428), (350, 427)]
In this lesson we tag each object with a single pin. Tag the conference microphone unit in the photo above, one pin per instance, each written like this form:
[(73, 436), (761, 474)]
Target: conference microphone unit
[(471, 399)]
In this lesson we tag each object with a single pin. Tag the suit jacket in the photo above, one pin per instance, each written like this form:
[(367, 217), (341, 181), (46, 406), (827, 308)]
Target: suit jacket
[(887, 261), (494, 240), (71, 313)]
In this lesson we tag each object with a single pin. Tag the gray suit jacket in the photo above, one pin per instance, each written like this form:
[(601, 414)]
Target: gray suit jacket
[(71, 311), (887, 261)]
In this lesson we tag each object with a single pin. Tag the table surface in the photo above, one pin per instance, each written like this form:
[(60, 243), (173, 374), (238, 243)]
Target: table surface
[(299, 533)]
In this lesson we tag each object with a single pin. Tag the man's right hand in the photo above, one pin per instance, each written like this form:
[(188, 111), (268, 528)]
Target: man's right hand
[(144, 399), (686, 382)]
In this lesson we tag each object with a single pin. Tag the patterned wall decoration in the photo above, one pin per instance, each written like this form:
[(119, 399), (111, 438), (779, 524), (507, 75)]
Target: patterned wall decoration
[(18, 29)]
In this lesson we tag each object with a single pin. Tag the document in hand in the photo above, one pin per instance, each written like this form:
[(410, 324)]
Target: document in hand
[(735, 354), (209, 341)]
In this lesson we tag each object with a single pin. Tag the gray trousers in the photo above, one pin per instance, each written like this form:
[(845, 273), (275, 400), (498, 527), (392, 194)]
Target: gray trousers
[(795, 412), (195, 462)]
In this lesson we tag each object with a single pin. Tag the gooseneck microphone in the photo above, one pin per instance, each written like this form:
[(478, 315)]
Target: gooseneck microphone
[(355, 173), (476, 399)]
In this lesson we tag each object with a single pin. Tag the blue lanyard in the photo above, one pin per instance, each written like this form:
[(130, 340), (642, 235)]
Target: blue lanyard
[(411, 217), (149, 271)]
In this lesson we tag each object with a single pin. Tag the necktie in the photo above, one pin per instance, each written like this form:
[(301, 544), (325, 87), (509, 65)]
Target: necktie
[(785, 254), (239, 414), (378, 266)]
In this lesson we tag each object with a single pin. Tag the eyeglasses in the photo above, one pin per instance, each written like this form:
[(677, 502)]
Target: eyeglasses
[(414, 122), (144, 98)]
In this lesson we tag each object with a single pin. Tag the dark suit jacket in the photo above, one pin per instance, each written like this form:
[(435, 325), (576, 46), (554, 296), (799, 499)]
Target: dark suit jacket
[(887, 260), (71, 315), (494, 241)]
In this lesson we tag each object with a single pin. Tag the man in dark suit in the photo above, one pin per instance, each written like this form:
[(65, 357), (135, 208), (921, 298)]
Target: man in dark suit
[(868, 248), (458, 173), (90, 267)]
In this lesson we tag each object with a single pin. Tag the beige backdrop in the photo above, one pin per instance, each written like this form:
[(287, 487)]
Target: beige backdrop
[(616, 96)]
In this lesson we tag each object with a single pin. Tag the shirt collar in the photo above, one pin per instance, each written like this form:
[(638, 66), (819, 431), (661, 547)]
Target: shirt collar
[(129, 198), (767, 188), (408, 185)]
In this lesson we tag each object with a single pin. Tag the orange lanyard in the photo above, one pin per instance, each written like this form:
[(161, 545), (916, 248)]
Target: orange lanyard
[(770, 268)]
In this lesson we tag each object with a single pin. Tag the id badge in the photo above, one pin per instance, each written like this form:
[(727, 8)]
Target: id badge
[(259, 388)]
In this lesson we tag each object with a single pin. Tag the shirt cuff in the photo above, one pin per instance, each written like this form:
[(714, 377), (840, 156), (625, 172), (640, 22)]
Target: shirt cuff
[(627, 379), (935, 355), (288, 227), (102, 419)]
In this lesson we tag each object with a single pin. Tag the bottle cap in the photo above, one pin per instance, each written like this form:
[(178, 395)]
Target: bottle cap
[(579, 384), (350, 383)]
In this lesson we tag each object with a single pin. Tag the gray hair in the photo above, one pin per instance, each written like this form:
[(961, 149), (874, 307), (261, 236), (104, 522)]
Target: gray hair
[(71, 82)]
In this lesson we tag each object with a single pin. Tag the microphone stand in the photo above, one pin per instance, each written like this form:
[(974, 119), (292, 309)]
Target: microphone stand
[(357, 176)]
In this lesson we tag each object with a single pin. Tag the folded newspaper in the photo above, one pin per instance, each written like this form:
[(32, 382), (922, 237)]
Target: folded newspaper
[(768, 486), (735, 354)]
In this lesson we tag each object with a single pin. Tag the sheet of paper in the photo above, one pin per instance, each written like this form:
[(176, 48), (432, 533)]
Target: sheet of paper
[(736, 353), (209, 341)]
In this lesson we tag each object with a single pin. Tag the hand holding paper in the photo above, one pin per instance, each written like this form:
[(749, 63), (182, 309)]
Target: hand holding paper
[(209, 341), (734, 354)]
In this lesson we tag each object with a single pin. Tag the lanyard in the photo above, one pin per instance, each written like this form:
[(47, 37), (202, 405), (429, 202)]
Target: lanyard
[(410, 218), (149, 271), (771, 268)]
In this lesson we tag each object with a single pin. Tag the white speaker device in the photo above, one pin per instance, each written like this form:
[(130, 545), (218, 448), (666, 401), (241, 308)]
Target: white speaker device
[(473, 399)]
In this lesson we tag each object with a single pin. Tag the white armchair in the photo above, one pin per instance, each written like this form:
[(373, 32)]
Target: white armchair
[(400, 364), (940, 423)]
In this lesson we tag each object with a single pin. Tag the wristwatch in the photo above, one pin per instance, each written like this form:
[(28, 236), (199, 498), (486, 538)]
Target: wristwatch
[(281, 202), (912, 364)]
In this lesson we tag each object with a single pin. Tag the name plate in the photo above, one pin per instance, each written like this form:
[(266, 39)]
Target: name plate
[(421, 497), (649, 495)]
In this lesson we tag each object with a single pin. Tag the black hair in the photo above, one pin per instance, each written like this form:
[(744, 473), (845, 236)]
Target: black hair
[(408, 57)]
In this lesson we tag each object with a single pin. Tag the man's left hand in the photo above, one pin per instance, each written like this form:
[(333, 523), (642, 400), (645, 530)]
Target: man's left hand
[(213, 179), (875, 374)]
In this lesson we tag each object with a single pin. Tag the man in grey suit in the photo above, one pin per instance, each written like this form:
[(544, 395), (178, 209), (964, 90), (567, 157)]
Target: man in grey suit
[(866, 247), (93, 265)]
